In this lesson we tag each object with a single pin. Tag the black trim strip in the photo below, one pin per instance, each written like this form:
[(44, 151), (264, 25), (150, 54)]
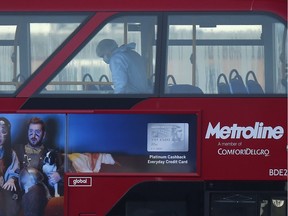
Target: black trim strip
[(80, 103)]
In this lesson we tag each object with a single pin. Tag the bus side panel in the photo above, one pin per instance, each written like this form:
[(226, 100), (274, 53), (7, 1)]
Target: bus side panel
[(245, 140), (241, 138)]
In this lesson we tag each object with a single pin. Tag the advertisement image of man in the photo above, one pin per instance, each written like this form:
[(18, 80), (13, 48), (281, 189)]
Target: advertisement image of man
[(36, 185)]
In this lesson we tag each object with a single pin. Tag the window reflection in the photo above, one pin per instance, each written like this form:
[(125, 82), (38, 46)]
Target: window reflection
[(84, 73), (26, 41), (201, 48)]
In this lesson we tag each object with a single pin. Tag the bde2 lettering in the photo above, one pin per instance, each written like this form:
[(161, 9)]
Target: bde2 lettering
[(278, 172)]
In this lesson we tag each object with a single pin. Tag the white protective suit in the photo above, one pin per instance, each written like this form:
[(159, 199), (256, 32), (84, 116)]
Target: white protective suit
[(128, 70)]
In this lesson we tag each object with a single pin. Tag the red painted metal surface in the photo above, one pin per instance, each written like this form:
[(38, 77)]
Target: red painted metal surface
[(211, 165), (279, 6), (108, 189)]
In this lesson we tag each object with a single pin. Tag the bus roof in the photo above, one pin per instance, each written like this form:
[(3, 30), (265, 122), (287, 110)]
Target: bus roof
[(275, 6)]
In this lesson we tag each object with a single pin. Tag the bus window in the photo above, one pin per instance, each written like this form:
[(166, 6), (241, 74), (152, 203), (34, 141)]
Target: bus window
[(87, 73), (202, 47), (26, 41)]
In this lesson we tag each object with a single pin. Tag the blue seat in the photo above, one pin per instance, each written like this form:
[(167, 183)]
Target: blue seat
[(223, 87), (253, 85), (236, 83), (184, 89), (174, 88), (105, 87), (89, 87)]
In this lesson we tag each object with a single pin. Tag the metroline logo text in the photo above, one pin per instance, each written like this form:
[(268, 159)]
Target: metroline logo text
[(258, 131)]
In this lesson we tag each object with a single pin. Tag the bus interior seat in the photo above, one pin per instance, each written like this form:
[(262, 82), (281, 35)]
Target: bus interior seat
[(172, 78), (105, 87), (19, 78), (236, 83), (252, 84), (223, 86), (184, 89), (174, 88), (89, 87)]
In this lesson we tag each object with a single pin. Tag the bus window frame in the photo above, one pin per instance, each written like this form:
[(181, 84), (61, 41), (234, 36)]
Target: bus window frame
[(97, 28), (28, 18), (261, 18), (162, 28)]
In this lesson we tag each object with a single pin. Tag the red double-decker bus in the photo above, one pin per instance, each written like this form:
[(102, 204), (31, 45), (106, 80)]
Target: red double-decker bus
[(207, 136)]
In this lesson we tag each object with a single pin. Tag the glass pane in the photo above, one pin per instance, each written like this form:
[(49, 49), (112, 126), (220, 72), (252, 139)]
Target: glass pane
[(7, 32), (279, 207), (7, 70), (210, 48), (8, 67), (281, 59), (26, 41), (228, 204), (264, 207), (231, 32), (88, 73), (45, 38)]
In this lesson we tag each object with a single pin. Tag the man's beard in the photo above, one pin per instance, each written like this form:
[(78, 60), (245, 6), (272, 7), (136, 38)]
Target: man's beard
[(37, 143)]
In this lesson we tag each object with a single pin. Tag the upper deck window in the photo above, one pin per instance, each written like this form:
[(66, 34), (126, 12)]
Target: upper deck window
[(26, 41), (182, 54), (225, 54), (131, 66), (205, 54)]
